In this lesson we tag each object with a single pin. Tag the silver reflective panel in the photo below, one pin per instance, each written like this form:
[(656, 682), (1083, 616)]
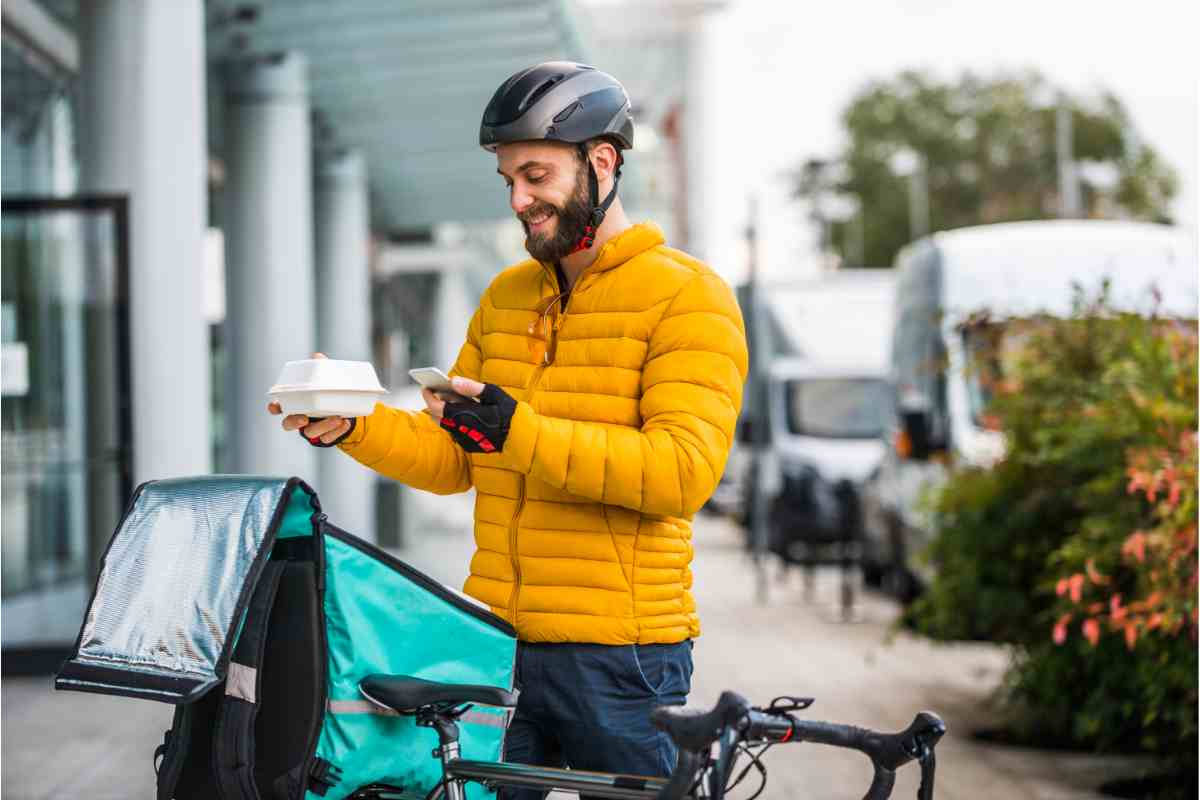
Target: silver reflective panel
[(170, 584)]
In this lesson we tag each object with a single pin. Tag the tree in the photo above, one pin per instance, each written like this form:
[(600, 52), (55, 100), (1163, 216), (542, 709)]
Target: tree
[(989, 149)]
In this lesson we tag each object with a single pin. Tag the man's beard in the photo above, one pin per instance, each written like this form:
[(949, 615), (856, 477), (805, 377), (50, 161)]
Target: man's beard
[(573, 219)]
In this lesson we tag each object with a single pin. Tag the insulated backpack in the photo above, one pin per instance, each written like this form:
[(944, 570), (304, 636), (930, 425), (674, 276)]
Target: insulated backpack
[(235, 599)]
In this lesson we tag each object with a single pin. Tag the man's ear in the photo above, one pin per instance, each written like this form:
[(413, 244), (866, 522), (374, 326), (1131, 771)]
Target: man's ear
[(604, 159)]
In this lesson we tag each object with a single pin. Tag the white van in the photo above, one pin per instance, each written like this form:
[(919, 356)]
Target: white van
[(1012, 271), (828, 399)]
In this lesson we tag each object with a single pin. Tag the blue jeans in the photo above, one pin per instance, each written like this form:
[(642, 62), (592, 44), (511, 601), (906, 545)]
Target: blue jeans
[(587, 706)]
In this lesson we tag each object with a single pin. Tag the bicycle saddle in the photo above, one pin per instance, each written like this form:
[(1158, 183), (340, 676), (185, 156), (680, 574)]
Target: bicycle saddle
[(404, 694)]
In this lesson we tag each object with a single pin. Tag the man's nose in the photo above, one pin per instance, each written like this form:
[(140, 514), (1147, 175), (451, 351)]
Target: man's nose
[(520, 200)]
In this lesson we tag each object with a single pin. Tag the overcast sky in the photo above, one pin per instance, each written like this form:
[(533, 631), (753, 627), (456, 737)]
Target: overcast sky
[(787, 69)]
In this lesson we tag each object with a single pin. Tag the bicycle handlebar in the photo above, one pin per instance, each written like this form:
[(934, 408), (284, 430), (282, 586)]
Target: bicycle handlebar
[(695, 732)]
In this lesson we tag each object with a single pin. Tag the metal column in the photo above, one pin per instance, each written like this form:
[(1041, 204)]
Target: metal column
[(142, 119), (268, 217), (344, 319)]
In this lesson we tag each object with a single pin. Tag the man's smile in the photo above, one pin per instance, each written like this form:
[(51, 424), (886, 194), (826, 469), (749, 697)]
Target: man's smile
[(539, 222)]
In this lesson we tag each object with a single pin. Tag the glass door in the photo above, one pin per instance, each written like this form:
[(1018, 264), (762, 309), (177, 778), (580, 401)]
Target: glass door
[(65, 470)]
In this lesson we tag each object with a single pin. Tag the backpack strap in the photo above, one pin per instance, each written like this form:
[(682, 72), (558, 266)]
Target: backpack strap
[(233, 735), (173, 752)]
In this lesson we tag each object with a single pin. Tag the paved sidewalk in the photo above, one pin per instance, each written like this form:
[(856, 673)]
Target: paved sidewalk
[(67, 745)]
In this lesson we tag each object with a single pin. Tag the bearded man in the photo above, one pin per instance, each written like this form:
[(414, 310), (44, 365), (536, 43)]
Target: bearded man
[(602, 381)]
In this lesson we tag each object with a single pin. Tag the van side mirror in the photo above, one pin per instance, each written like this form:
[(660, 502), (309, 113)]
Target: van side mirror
[(913, 439)]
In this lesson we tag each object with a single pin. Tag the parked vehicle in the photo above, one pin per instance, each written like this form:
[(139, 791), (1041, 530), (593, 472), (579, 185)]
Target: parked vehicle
[(827, 426), (827, 397), (959, 290), (730, 495)]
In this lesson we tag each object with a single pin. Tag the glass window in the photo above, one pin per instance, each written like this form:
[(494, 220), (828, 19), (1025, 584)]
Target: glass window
[(65, 463), (404, 308), (991, 351), (38, 127), (844, 408)]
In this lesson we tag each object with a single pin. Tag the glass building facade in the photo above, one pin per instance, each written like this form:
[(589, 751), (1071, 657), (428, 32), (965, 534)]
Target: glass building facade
[(195, 193), (64, 467)]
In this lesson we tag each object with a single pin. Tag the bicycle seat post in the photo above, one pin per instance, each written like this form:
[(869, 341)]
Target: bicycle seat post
[(445, 722)]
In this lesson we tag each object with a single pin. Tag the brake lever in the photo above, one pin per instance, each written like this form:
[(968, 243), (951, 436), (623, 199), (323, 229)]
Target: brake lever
[(719, 774), (931, 731), (928, 762)]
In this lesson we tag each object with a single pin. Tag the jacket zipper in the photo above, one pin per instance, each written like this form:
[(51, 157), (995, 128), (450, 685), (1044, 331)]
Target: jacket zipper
[(512, 529), (551, 346)]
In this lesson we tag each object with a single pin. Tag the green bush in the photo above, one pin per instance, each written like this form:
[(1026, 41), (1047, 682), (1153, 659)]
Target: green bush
[(1079, 546)]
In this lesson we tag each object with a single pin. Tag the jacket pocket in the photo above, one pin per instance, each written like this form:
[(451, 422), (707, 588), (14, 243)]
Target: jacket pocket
[(612, 537)]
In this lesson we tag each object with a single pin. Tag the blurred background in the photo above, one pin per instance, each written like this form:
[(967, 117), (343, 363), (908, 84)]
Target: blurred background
[(910, 198)]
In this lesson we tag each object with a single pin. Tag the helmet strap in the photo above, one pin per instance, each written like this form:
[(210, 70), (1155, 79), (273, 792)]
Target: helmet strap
[(598, 209)]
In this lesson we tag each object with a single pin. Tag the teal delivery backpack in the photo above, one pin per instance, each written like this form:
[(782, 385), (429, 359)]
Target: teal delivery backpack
[(235, 599)]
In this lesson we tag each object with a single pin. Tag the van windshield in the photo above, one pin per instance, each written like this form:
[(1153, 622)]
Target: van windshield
[(839, 408)]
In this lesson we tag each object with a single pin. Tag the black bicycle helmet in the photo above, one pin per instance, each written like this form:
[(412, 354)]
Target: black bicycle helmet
[(566, 102)]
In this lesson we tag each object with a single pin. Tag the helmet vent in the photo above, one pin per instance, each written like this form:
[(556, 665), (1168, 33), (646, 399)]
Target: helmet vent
[(542, 88)]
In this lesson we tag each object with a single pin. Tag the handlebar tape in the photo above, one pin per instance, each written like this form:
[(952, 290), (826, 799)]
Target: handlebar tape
[(881, 785)]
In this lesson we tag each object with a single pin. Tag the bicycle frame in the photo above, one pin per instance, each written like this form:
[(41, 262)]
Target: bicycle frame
[(733, 719), (494, 774)]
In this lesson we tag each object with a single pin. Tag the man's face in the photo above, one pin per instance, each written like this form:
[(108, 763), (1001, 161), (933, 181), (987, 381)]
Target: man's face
[(548, 191)]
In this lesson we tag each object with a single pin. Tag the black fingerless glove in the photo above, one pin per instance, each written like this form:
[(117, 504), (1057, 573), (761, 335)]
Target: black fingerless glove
[(318, 443), (481, 427)]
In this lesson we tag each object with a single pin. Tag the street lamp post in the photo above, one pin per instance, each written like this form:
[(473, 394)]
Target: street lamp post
[(758, 410), (911, 165), (1070, 203), (830, 205)]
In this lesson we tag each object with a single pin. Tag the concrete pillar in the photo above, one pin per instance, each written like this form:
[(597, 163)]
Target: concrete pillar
[(454, 309), (142, 119), (344, 319), (695, 133), (270, 316)]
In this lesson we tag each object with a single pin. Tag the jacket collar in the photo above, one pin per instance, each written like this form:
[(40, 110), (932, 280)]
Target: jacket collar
[(629, 243)]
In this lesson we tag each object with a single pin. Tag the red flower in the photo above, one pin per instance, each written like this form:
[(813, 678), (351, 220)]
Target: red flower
[(1130, 634), (1076, 583), (1135, 546), (1116, 610), (1094, 574), (1091, 630), (1060, 628)]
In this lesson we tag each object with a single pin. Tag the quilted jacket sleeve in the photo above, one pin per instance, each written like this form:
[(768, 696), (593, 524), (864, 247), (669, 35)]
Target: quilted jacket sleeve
[(691, 395), (409, 446)]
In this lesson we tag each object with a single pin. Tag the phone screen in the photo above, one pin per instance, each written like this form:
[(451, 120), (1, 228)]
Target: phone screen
[(431, 378), (438, 382)]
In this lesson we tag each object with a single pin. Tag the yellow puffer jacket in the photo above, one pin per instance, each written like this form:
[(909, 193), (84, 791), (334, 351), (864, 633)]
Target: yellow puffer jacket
[(627, 404)]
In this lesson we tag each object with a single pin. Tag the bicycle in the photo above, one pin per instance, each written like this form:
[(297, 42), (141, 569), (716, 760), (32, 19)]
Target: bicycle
[(733, 725)]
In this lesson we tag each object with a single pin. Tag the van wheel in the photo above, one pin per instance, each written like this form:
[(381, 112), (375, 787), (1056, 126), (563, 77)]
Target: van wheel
[(872, 574), (901, 584)]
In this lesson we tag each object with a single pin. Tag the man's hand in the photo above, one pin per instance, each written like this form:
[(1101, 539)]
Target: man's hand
[(435, 406), (477, 427), (324, 431)]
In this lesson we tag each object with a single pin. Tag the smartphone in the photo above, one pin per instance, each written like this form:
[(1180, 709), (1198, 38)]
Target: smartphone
[(438, 382)]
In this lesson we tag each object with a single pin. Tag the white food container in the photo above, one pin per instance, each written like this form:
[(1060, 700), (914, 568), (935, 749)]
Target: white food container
[(324, 387)]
